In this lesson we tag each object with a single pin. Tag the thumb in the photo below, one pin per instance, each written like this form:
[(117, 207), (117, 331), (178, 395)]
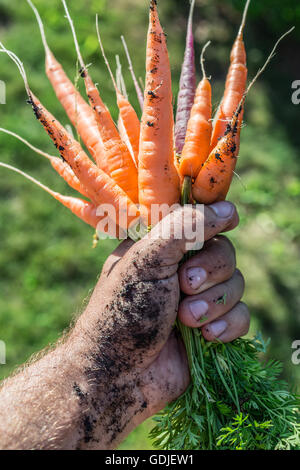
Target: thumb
[(157, 255)]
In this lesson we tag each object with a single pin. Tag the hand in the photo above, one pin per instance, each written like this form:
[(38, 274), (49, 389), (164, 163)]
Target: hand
[(132, 311), (123, 361)]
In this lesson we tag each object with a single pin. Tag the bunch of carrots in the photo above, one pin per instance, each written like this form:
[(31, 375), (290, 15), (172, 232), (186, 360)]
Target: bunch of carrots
[(139, 163), (135, 163)]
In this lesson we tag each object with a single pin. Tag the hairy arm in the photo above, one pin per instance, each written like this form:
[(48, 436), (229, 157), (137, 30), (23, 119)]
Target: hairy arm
[(57, 402), (123, 362)]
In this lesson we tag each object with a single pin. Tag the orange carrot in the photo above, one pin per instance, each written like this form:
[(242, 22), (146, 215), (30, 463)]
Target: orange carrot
[(64, 170), (135, 82), (131, 125), (100, 188), (213, 181), (85, 210), (158, 177), (121, 128), (234, 87), (120, 165), (128, 115), (197, 141), (214, 178), (60, 166), (79, 112)]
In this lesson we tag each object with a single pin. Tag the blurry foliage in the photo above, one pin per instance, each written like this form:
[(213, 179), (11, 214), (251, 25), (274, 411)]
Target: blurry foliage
[(47, 265)]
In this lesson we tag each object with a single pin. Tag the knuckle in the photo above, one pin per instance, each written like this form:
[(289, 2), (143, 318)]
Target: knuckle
[(244, 310), (240, 279), (231, 294), (183, 279), (244, 317), (228, 251), (183, 311), (224, 241), (223, 252)]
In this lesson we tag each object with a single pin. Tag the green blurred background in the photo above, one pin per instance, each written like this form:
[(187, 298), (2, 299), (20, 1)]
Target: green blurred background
[(47, 264)]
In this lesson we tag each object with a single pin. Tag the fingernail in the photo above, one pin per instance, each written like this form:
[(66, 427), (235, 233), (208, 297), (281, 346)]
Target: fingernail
[(218, 327), (198, 308), (195, 277), (222, 209)]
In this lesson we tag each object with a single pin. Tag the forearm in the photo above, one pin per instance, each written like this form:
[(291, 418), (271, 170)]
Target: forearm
[(64, 401)]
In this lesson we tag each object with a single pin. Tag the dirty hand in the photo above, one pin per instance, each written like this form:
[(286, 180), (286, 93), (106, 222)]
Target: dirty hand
[(136, 360), (123, 361)]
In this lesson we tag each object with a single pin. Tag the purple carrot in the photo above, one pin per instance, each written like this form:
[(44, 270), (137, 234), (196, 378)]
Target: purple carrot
[(137, 86), (187, 86)]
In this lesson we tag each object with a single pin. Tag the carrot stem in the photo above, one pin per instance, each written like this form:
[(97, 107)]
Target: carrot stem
[(186, 190), (30, 178), (136, 84), (242, 26), (104, 55), (82, 64), (41, 26), (32, 147), (202, 59), (262, 69), (83, 209), (120, 78)]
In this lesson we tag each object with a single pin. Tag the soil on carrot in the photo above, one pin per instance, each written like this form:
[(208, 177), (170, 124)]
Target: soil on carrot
[(218, 157)]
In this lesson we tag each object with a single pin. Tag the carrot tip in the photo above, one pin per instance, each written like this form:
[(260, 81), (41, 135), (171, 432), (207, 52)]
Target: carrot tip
[(202, 59)]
